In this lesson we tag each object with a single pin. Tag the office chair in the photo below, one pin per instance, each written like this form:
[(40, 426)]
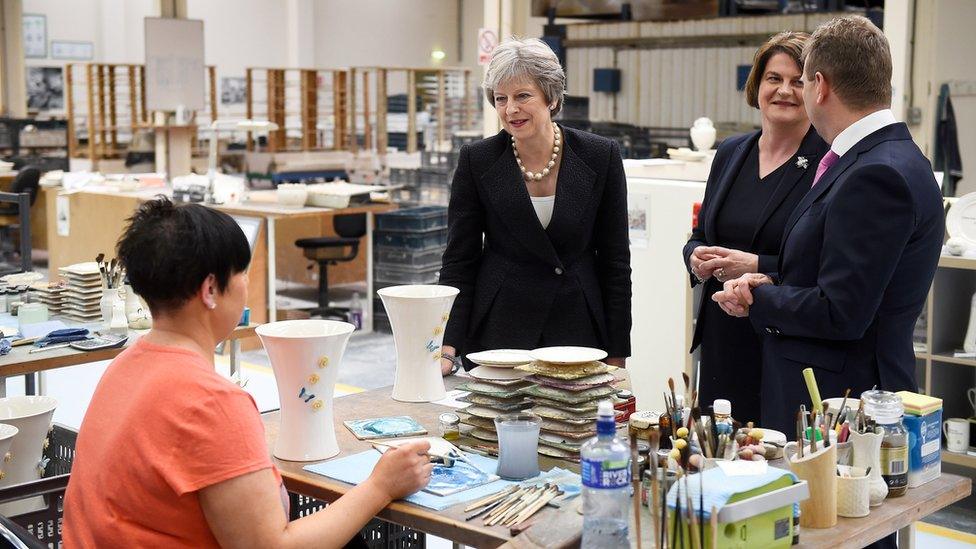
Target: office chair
[(332, 250)]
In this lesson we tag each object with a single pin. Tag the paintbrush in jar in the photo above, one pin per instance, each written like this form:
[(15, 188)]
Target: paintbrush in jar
[(676, 419)]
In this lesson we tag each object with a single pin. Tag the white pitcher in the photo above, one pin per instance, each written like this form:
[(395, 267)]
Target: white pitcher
[(305, 357), (867, 453), (31, 415), (418, 315)]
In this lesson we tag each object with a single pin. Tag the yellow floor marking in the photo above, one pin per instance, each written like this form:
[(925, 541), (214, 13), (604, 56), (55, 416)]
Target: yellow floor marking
[(946, 532)]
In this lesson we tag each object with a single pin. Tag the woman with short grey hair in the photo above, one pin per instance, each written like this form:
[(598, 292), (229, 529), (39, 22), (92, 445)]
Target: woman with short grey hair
[(538, 239)]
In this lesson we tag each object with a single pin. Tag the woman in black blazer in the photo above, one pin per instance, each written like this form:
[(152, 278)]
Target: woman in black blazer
[(538, 239), (755, 181)]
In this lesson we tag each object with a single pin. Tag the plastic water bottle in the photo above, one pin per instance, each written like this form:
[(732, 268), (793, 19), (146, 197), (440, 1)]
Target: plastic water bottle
[(605, 467)]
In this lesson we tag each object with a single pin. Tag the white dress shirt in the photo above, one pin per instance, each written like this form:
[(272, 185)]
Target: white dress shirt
[(864, 127), (543, 208)]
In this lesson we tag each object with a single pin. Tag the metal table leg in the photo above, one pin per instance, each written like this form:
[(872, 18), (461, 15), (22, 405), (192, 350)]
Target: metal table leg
[(235, 358), (272, 275), (906, 537), (368, 325)]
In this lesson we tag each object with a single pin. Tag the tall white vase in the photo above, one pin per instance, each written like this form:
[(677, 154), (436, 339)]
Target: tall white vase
[(7, 433), (31, 415), (418, 315), (867, 453), (305, 357)]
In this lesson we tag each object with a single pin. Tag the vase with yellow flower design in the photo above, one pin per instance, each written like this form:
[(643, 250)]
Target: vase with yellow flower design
[(305, 357), (418, 314)]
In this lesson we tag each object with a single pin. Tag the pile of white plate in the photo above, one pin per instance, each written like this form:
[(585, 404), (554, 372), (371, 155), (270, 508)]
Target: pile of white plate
[(82, 293), (50, 294), (567, 385), (496, 389)]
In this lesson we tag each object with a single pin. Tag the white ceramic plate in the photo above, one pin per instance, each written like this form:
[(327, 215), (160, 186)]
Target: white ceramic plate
[(81, 269), (489, 373), (568, 355), (961, 219), (501, 358), (22, 279), (772, 435)]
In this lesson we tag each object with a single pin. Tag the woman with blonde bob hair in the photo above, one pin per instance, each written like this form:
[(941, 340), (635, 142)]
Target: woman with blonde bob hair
[(755, 182), (537, 239)]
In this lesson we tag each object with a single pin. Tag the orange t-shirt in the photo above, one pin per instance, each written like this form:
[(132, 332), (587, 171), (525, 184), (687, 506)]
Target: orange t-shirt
[(161, 426)]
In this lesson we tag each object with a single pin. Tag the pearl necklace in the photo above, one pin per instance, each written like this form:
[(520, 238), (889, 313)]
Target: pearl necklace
[(536, 176)]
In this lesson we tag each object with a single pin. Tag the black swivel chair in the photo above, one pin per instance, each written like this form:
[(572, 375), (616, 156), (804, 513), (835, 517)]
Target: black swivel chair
[(27, 181), (332, 250)]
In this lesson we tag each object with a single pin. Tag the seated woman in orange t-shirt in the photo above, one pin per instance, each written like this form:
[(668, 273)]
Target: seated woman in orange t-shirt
[(171, 454)]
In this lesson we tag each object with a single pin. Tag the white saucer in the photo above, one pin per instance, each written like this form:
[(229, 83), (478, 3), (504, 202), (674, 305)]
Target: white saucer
[(501, 358), (568, 355), (961, 219), (489, 373)]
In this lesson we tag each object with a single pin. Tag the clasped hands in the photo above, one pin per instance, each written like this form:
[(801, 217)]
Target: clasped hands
[(722, 263), (736, 295)]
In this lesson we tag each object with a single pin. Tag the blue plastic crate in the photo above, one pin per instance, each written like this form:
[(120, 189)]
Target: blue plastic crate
[(423, 218), (410, 241)]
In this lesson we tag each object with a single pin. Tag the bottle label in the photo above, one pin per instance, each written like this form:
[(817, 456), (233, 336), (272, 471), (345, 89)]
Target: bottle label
[(894, 465), (605, 474)]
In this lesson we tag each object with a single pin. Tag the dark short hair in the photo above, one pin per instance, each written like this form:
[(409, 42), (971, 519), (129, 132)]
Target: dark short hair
[(168, 250), (790, 43), (853, 55)]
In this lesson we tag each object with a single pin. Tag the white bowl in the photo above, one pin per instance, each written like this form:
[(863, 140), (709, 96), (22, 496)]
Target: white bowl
[(292, 194)]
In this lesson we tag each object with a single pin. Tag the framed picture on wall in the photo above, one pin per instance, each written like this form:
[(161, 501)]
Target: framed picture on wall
[(45, 88), (233, 90), (73, 51), (35, 36)]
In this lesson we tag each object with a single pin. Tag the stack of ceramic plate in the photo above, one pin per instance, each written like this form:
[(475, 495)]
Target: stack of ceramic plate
[(50, 294), (496, 389), (82, 293), (569, 383)]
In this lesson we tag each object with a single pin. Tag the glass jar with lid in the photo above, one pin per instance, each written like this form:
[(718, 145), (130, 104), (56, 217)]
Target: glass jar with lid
[(886, 409)]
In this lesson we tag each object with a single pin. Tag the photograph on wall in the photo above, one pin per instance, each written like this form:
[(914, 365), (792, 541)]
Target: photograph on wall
[(45, 88), (233, 90), (35, 36)]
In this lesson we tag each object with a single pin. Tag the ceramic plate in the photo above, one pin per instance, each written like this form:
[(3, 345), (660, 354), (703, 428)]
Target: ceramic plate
[(491, 373), (568, 355), (550, 451), (483, 434), (567, 371), (501, 358), (81, 269), (22, 279), (961, 219), (772, 435)]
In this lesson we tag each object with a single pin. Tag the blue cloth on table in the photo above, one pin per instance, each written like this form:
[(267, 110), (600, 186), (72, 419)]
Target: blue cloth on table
[(356, 468), (719, 487), (66, 335), (4, 347)]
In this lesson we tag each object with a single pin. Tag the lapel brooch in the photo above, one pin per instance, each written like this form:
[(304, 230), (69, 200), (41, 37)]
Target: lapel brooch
[(802, 162)]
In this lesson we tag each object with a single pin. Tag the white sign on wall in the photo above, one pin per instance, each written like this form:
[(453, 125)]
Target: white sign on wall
[(487, 42), (174, 64)]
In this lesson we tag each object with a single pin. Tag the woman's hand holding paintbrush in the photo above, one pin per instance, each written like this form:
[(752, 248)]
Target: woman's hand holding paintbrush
[(402, 470)]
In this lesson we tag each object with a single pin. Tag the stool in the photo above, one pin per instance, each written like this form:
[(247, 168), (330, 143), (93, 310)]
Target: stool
[(332, 250), (27, 181)]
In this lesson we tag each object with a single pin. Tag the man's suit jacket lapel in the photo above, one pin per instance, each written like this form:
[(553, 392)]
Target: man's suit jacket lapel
[(792, 177), (574, 188), (509, 197), (893, 131), (731, 171)]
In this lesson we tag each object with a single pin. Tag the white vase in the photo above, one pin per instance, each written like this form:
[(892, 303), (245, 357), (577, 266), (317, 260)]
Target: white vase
[(867, 453), (31, 415), (418, 315), (969, 342), (305, 357), (7, 433), (703, 134)]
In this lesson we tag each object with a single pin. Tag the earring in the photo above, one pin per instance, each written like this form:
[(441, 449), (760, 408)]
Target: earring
[(212, 306)]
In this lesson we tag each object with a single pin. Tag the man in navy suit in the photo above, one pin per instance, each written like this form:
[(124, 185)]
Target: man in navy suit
[(859, 251)]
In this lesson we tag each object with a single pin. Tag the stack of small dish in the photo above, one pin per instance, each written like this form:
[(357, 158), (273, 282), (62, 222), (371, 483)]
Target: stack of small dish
[(569, 383), (50, 294), (82, 293), (496, 389)]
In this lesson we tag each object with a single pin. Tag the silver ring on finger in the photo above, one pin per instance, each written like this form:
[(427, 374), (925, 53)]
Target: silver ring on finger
[(720, 273)]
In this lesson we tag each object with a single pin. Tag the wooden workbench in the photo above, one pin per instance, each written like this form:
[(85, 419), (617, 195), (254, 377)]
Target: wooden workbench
[(98, 218), (20, 360), (563, 527)]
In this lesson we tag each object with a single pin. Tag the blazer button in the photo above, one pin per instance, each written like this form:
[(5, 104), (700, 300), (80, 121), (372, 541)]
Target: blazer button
[(769, 330), (559, 270)]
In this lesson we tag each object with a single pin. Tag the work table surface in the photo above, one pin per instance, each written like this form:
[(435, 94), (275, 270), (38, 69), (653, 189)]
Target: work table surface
[(563, 527)]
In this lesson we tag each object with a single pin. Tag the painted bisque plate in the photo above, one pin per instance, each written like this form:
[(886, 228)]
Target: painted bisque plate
[(961, 219), (568, 355), (491, 373), (501, 358)]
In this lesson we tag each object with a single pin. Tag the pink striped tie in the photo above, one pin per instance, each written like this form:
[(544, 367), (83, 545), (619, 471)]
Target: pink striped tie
[(826, 162)]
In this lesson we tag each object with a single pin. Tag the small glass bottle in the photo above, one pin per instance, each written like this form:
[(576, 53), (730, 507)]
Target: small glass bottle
[(450, 426), (886, 409)]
